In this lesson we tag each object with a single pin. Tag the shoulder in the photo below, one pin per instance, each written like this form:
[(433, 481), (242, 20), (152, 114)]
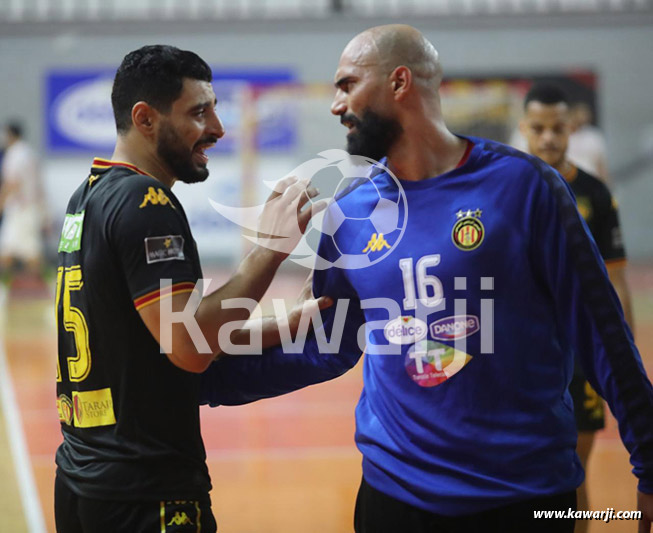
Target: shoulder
[(127, 190), (515, 168), (128, 201), (591, 181), (364, 192)]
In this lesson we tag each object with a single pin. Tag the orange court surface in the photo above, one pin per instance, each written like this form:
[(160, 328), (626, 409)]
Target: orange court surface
[(287, 465)]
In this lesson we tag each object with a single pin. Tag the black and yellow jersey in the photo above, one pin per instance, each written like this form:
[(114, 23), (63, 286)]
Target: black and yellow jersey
[(129, 417), (599, 209)]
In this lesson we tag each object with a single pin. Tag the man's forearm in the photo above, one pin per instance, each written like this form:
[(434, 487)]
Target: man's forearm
[(250, 281)]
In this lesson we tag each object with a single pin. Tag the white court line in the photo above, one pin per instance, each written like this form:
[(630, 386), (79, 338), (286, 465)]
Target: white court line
[(26, 485)]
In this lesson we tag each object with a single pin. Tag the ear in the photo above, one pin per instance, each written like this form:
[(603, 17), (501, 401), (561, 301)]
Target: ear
[(401, 81), (144, 118), (522, 127)]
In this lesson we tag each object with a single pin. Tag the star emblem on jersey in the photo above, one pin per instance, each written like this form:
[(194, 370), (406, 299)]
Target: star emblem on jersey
[(468, 231)]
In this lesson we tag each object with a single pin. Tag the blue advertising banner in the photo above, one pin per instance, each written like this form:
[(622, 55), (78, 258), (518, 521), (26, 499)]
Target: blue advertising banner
[(79, 118)]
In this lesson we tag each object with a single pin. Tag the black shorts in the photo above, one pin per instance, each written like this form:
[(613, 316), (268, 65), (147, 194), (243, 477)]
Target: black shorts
[(377, 512), (76, 514), (589, 408)]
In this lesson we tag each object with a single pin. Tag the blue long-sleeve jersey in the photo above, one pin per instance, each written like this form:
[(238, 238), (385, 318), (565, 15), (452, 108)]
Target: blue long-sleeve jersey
[(496, 285)]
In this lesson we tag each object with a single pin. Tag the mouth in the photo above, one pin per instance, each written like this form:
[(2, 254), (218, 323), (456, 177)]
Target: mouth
[(350, 124), (199, 152)]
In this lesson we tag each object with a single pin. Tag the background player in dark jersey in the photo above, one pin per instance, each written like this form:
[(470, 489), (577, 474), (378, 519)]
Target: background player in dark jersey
[(460, 430), (546, 126), (132, 458)]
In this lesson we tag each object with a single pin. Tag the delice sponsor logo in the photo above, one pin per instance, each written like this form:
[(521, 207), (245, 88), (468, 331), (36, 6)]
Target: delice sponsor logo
[(405, 330), (454, 327)]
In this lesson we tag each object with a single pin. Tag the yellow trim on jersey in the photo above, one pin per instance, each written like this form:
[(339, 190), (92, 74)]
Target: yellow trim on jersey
[(102, 163)]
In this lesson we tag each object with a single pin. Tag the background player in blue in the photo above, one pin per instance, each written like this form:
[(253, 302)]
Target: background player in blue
[(546, 126), (132, 457), (461, 430)]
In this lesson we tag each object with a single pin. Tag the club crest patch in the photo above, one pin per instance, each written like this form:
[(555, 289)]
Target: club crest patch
[(468, 231)]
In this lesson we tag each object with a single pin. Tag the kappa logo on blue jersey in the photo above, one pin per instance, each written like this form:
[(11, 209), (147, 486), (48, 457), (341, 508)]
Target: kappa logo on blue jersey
[(376, 243), (468, 232)]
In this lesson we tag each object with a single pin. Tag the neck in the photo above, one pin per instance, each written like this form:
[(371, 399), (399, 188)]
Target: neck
[(564, 168), (143, 156), (425, 150)]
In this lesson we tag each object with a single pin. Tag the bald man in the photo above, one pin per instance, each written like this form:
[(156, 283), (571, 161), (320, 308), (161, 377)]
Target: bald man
[(470, 321)]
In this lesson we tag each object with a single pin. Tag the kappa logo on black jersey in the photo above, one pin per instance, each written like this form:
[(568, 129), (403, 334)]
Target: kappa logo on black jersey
[(156, 197), (164, 248), (468, 232)]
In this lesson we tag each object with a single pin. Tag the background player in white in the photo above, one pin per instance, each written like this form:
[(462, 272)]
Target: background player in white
[(21, 203), (587, 146)]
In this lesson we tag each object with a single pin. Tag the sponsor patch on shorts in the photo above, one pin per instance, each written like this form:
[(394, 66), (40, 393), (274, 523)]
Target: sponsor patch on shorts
[(164, 248)]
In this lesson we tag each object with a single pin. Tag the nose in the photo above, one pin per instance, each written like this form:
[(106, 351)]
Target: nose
[(548, 136), (338, 106), (215, 126)]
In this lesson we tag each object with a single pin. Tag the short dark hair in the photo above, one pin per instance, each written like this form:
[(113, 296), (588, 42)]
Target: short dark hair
[(153, 74), (15, 128), (546, 93)]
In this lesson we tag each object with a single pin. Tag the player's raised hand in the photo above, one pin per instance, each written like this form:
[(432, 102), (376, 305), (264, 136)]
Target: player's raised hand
[(283, 220)]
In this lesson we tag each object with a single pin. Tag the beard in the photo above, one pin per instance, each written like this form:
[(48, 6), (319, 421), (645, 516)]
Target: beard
[(374, 134), (171, 149)]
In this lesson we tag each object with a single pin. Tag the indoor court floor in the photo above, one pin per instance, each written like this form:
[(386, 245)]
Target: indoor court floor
[(287, 465)]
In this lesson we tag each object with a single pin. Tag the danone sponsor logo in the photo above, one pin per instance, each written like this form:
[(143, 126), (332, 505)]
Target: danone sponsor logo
[(454, 327), (405, 330)]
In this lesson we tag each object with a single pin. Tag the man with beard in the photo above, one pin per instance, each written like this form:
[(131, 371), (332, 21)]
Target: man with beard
[(460, 429), (132, 458)]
